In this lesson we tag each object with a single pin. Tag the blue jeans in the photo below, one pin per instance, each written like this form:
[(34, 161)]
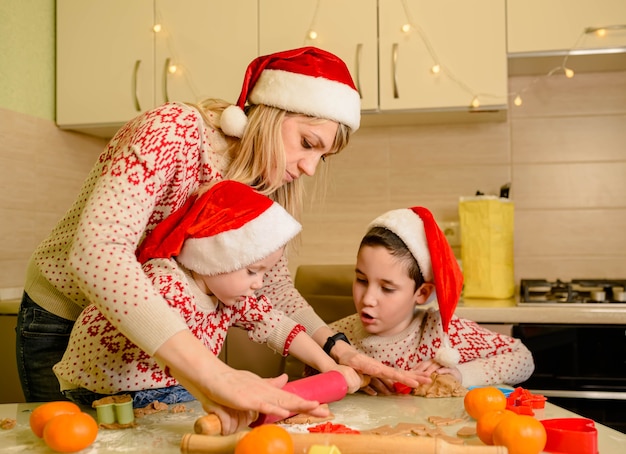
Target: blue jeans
[(41, 339), (171, 395)]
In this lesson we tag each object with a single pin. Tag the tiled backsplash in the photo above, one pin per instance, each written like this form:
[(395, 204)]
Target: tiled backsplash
[(562, 151)]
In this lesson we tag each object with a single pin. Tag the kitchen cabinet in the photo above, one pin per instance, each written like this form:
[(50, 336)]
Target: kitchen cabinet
[(347, 28), (467, 39), (116, 59), (535, 26), (392, 67)]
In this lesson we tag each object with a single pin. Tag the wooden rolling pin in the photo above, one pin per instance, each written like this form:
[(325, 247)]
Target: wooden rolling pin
[(325, 388), (347, 444)]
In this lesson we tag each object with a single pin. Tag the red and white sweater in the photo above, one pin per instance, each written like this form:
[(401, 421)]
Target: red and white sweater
[(487, 358), (103, 360), (145, 173)]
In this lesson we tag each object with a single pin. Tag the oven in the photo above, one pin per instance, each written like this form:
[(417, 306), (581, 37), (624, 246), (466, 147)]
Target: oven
[(580, 367)]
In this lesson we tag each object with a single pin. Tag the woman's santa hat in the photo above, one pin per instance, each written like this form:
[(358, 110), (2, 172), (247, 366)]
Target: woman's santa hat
[(226, 228), (307, 80), (417, 228)]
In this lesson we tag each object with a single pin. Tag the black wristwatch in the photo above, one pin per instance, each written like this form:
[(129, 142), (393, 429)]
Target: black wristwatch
[(332, 340)]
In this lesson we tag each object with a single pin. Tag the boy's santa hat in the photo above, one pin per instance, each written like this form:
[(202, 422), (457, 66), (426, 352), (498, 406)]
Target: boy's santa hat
[(307, 80), (417, 228), (226, 228)]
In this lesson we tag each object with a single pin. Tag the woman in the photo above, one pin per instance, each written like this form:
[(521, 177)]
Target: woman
[(302, 108)]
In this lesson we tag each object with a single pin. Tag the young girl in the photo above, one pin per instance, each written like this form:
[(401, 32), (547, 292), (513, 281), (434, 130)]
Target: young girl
[(402, 260), (207, 259), (302, 108)]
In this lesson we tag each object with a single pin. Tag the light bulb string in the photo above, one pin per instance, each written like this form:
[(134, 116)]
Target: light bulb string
[(177, 62), (561, 67), (443, 68), (313, 25)]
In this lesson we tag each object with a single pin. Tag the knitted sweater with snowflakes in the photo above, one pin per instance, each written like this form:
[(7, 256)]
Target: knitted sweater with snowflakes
[(487, 358), (103, 360), (145, 173)]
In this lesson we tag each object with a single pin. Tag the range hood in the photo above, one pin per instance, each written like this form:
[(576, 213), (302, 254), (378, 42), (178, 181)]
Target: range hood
[(580, 60)]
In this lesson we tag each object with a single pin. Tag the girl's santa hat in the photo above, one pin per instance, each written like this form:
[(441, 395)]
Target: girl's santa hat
[(417, 228), (226, 228), (307, 80)]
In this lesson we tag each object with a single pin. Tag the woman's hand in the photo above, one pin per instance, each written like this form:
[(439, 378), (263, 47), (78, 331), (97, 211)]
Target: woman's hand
[(353, 379), (237, 395)]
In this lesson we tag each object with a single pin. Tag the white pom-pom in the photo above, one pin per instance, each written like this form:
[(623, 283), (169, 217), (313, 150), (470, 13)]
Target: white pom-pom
[(448, 357), (233, 121)]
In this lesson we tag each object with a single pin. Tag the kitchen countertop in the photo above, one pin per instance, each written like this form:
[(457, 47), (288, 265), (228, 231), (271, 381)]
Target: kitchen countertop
[(161, 433), (508, 311)]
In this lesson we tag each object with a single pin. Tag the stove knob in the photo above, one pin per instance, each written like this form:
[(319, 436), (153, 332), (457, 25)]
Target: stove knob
[(598, 296)]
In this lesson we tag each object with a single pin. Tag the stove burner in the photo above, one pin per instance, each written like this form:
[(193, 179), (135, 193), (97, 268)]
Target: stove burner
[(577, 291)]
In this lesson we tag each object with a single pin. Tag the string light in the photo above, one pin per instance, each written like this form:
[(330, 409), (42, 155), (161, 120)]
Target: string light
[(172, 68), (312, 35), (438, 68), (156, 28), (600, 32)]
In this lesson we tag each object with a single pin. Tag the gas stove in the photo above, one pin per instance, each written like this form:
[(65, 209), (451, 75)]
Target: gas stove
[(577, 291)]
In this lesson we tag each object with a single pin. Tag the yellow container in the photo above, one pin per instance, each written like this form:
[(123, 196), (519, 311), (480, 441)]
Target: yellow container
[(487, 224)]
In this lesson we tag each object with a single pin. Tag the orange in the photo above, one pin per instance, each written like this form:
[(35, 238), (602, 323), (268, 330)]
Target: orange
[(488, 422), (70, 432), (265, 439), (45, 412), (479, 401), (521, 434)]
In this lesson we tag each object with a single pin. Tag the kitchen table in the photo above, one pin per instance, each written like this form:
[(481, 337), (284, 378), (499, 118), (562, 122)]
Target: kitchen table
[(161, 433)]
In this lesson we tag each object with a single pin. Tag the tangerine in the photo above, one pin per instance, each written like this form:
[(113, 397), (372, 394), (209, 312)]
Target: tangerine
[(70, 432), (488, 422), (479, 401), (265, 439), (45, 412), (521, 434)]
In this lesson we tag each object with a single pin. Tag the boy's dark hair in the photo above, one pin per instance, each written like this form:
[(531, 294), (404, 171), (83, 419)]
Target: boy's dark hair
[(380, 236)]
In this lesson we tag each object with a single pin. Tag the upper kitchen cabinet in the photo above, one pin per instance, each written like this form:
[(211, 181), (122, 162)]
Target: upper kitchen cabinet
[(391, 47), (539, 26), (116, 59), (443, 54), (346, 28)]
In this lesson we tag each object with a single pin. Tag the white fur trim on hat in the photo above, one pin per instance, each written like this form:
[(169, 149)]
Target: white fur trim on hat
[(233, 122), (235, 249), (313, 96), (410, 228)]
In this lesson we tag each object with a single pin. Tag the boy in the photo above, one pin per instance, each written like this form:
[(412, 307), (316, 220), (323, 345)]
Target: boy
[(402, 260)]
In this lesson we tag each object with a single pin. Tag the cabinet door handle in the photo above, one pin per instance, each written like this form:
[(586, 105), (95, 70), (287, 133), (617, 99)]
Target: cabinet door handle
[(359, 49), (394, 69), (136, 98), (165, 72)]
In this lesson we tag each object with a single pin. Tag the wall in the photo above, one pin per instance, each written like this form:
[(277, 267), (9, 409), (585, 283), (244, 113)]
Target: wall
[(563, 152), (41, 167)]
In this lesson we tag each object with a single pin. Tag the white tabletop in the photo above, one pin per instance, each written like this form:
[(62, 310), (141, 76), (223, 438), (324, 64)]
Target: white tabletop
[(161, 433)]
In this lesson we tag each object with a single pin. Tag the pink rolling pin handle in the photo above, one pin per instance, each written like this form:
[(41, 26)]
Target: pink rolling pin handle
[(326, 387)]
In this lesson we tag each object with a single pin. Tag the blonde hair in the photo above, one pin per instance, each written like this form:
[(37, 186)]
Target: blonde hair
[(264, 170)]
